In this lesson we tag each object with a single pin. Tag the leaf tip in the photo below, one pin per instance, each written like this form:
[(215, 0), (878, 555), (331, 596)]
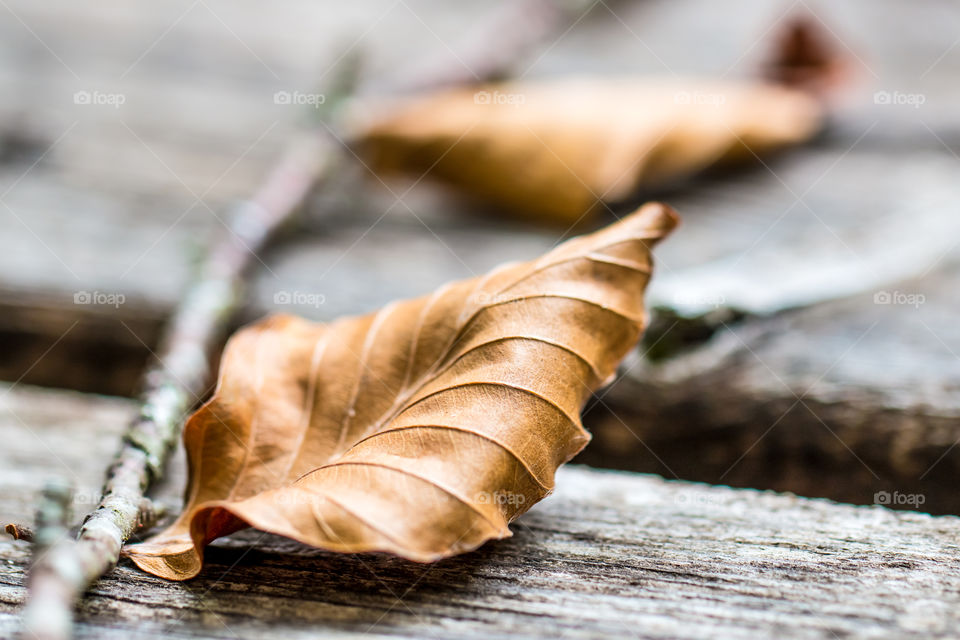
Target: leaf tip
[(175, 560), (656, 218)]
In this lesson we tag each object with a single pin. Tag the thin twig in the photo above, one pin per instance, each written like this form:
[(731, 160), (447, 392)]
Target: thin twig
[(52, 553), (173, 383), (177, 379)]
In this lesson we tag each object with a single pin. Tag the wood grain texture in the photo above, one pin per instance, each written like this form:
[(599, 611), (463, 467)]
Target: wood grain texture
[(104, 209), (199, 119), (701, 423), (101, 205), (608, 555), (873, 407)]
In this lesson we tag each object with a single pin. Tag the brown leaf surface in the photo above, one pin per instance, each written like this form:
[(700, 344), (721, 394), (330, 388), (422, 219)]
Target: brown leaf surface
[(422, 429), (559, 150)]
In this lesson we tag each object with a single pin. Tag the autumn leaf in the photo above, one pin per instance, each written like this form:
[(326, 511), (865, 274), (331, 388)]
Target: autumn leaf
[(807, 57), (422, 429), (557, 151)]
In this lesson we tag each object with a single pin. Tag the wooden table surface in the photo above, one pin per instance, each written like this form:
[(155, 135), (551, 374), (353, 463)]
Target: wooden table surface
[(840, 399), (607, 555)]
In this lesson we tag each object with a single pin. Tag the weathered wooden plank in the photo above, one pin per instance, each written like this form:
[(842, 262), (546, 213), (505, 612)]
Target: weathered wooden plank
[(897, 415), (101, 213), (844, 399), (608, 555), (207, 124), (816, 226), (359, 254)]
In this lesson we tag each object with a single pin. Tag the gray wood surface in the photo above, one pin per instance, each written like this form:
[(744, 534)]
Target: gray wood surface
[(848, 399), (608, 555), (104, 199), (117, 200), (845, 399)]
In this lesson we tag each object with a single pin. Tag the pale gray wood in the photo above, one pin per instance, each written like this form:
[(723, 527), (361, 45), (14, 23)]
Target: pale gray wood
[(607, 555), (105, 199), (99, 212), (842, 399), (695, 418), (192, 124)]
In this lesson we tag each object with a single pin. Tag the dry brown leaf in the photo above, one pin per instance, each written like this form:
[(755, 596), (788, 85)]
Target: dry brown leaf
[(422, 429), (559, 150), (807, 57)]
